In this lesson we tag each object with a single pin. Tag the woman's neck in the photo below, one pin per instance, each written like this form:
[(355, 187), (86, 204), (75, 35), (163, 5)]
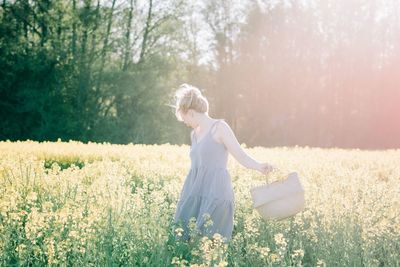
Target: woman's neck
[(204, 122)]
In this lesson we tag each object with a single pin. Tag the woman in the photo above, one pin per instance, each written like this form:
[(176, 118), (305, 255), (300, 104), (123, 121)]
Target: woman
[(207, 190)]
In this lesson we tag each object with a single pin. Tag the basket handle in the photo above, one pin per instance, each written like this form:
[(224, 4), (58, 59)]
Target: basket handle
[(274, 170)]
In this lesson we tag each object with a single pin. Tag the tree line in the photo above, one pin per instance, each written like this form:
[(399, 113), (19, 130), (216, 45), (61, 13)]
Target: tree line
[(317, 73)]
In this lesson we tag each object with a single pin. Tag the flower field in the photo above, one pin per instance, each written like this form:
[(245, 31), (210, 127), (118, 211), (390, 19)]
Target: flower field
[(71, 204)]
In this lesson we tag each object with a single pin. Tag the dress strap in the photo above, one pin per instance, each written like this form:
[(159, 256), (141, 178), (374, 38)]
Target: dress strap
[(193, 136), (209, 131)]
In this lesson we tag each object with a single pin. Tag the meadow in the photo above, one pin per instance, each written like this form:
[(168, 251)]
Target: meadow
[(70, 204)]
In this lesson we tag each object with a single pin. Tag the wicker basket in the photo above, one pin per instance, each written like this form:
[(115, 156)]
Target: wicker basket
[(280, 199)]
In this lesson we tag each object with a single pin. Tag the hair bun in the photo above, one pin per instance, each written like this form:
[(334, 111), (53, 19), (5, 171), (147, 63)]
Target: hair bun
[(190, 97)]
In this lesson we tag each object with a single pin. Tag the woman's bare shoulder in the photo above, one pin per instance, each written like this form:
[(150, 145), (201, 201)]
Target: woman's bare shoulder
[(222, 130), (223, 124)]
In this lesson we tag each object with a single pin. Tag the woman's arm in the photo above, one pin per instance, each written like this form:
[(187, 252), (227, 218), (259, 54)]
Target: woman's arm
[(228, 138)]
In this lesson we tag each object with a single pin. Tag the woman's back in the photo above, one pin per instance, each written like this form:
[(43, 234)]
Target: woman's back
[(207, 152), (208, 187)]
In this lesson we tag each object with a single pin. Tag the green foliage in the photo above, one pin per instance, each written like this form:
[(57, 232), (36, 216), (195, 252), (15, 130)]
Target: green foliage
[(103, 71), (64, 163), (64, 75)]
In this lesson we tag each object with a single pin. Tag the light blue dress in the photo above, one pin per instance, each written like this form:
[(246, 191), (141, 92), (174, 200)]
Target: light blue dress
[(207, 189)]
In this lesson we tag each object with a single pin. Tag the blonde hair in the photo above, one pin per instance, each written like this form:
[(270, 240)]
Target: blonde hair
[(189, 97)]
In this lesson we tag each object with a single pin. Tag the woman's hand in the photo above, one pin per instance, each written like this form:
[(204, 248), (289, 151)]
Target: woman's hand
[(266, 168)]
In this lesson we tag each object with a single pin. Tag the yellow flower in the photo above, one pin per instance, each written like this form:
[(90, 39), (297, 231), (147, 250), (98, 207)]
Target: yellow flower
[(217, 238), (175, 260), (47, 206), (32, 196), (264, 251), (222, 264), (320, 263), (192, 224), (179, 231), (73, 234), (274, 257), (280, 240), (298, 253), (20, 248), (207, 219)]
